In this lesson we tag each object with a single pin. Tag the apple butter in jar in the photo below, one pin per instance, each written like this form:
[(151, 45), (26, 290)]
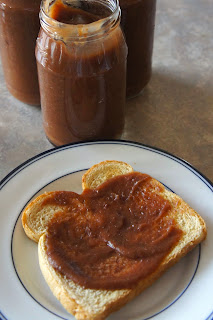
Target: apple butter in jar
[(81, 57), (138, 22), (19, 28)]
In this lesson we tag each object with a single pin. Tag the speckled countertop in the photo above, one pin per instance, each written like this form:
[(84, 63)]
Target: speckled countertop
[(174, 112)]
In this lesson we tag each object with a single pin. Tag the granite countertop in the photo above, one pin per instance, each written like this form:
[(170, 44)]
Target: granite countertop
[(174, 112)]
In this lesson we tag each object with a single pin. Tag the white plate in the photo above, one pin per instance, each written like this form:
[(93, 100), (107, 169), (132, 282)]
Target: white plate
[(184, 292)]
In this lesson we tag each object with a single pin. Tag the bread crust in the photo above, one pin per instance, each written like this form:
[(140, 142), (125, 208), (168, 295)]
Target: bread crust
[(33, 234), (94, 304), (103, 171)]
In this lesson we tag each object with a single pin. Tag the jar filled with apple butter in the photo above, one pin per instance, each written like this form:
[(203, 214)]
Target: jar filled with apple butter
[(81, 57), (19, 28), (138, 22)]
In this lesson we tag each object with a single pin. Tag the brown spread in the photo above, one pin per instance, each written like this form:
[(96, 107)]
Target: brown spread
[(82, 80), (19, 27), (112, 236)]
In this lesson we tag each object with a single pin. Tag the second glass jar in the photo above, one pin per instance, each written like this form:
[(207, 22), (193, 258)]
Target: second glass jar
[(138, 22), (19, 28), (81, 58)]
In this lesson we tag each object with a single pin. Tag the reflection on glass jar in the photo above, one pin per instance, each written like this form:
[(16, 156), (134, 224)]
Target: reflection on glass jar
[(138, 22), (81, 57), (19, 28)]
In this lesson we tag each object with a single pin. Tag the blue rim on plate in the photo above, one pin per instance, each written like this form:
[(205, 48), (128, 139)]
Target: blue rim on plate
[(27, 163)]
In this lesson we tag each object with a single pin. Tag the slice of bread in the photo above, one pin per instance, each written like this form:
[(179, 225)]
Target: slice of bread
[(92, 304)]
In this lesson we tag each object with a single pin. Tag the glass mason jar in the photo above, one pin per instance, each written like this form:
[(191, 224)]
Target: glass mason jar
[(81, 58), (138, 22), (19, 28)]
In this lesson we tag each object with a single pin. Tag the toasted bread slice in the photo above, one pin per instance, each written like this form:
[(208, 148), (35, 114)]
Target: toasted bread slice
[(94, 304)]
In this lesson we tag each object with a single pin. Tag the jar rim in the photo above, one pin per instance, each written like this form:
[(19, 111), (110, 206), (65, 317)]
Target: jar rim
[(78, 32)]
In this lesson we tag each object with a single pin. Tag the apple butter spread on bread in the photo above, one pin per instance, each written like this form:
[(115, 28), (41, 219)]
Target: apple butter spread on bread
[(112, 236), (101, 248)]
